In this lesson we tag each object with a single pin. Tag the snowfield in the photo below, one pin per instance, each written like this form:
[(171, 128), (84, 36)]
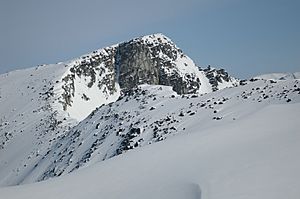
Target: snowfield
[(240, 142), (255, 157)]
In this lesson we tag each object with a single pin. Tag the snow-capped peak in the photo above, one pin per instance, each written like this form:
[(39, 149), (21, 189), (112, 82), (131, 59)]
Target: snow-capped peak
[(98, 78)]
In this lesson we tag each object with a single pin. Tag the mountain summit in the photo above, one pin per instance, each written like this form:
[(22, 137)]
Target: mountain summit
[(152, 59)]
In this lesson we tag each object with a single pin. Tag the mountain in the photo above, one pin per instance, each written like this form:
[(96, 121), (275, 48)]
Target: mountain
[(41, 107), (140, 120)]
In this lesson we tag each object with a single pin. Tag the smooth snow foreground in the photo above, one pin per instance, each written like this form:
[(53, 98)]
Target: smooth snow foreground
[(255, 157)]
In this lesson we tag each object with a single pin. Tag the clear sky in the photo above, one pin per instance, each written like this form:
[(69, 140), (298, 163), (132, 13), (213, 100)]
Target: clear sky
[(246, 37)]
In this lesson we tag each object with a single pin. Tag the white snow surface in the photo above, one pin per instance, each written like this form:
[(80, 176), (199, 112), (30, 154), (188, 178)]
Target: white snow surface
[(26, 116), (279, 76), (81, 108), (254, 157), (240, 142), (158, 113)]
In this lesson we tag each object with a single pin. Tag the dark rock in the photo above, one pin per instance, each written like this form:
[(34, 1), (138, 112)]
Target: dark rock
[(152, 108)]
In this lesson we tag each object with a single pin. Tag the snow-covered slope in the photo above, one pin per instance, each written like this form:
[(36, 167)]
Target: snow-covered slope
[(39, 106), (252, 152), (279, 76), (152, 114), (29, 122)]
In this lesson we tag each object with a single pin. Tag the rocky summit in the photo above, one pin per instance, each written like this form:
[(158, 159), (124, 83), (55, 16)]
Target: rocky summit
[(152, 59)]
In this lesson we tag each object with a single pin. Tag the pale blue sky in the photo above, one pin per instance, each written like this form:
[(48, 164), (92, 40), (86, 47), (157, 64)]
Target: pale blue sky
[(246, 37)]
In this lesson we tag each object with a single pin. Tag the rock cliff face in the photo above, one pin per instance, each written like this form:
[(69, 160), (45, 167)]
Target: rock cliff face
[(217, 77), (152, 59)]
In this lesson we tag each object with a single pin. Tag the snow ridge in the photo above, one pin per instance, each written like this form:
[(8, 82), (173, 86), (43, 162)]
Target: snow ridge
[(151, 114)]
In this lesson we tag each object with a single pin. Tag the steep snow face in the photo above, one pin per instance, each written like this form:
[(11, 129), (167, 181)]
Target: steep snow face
[(254, 156), (87, 99), (152, 114), (88, 91), (89, 83)]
